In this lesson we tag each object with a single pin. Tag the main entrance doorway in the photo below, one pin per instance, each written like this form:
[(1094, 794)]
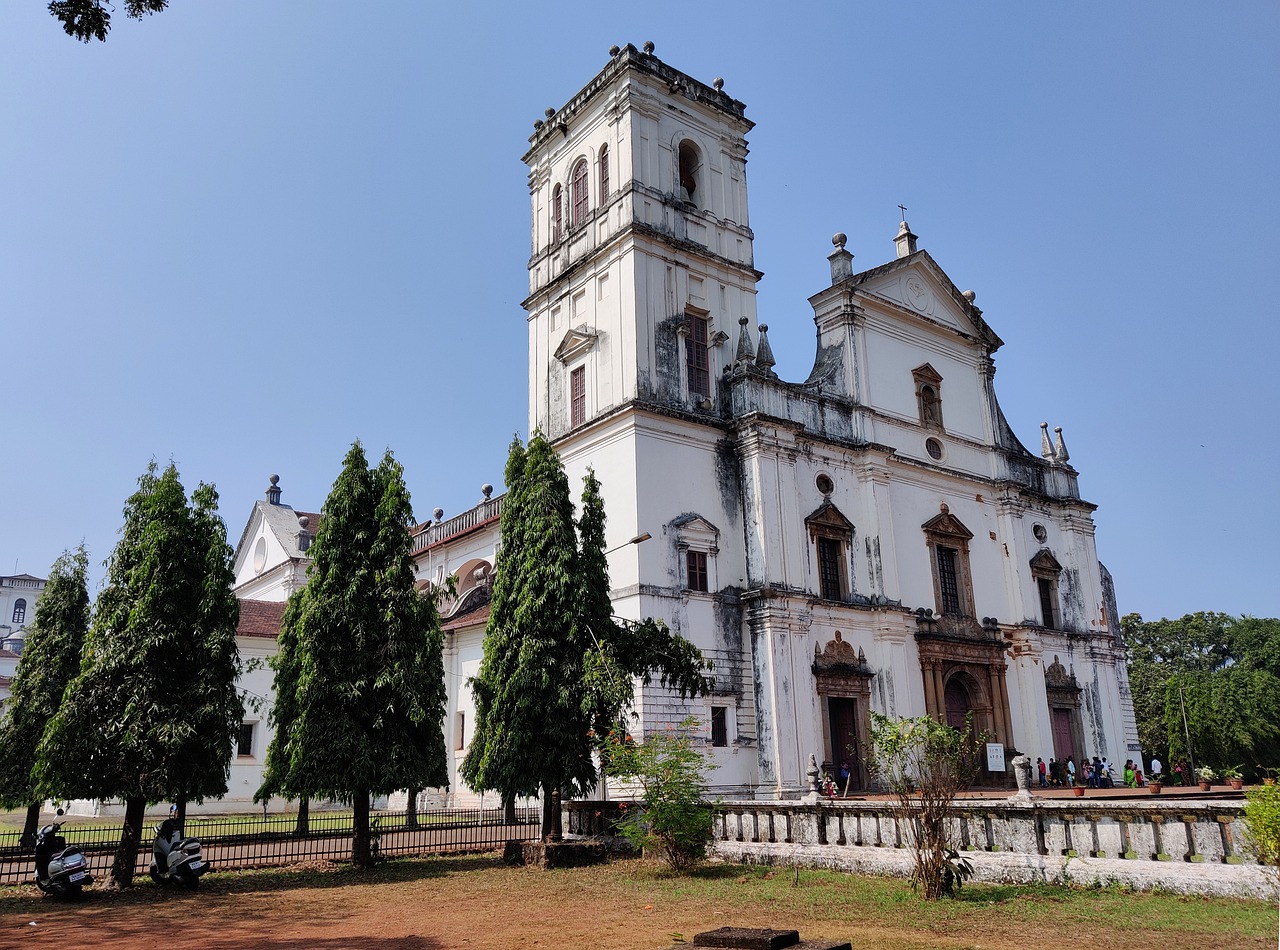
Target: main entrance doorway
[(957, 703), (1064, 746), (842, 716)]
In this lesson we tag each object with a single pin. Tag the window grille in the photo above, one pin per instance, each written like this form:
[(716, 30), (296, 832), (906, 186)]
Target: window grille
[(578, 397), (948, 581), (830, 552), (697, 357), (578, 183), (696, 571)]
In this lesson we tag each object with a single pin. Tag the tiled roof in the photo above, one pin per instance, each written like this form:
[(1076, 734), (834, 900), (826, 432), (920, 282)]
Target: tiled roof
[(5, 682), (7, 655), (260, 618), (472, 618)]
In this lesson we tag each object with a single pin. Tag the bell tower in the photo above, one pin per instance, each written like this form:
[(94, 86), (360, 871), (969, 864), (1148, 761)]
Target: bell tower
[(642, 270)]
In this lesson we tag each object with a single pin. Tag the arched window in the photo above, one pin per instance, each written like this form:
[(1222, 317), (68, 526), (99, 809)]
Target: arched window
[(604, 173), (689, 163), (19, 611), (581, 202), (557, 215)]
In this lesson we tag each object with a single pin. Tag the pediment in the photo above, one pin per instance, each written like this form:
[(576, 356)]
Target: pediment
[(925, 373), (1045, 563), (691, 526), (576, 342), (946, 524), (918, 285), (828, 519)]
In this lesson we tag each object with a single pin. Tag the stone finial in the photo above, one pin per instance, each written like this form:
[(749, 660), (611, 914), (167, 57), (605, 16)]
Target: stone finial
[(538, 124), (1046, 447), (549, 112), (811, 773), (764, 352), (273, 491), (487, 490), (746, 353), (614, 50), (439, 513), (905, 241), (648, 46), (841, 260), (969, 295), (718, 84), (1059, 447)]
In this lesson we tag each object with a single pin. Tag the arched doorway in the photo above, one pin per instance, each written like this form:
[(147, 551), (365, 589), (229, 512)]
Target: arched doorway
[(957, 702)]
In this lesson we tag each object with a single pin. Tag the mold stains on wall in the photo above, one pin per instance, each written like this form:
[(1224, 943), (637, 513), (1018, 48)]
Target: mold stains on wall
[(875, 568), (765, 737), (728, 477), (1093, 714), (828, 368), (1075, 618), (666, 353)]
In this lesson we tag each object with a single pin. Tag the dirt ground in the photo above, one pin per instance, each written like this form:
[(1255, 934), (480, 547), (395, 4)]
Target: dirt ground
[(478, 904)]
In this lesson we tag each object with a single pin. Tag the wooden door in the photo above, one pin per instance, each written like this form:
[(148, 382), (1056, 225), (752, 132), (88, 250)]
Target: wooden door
[(1063, 745), (843, 716)]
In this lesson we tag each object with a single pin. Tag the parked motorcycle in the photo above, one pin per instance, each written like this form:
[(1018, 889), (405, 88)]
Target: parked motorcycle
[(175, 858), (60, 870)]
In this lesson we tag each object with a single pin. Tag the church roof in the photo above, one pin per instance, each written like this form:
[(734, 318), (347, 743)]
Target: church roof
[(260, 618), (283, 522), (472, 618)]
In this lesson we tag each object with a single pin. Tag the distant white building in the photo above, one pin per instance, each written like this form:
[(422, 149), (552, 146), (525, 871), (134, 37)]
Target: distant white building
[(18, 596), (873, 537)]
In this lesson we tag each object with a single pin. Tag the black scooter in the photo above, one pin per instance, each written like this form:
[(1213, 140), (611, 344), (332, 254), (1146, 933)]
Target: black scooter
[(176, 859), (60, 870)]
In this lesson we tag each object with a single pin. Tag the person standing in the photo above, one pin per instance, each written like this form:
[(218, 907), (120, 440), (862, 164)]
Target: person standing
[(1071, 770), (1156, 768), (1040, 766)]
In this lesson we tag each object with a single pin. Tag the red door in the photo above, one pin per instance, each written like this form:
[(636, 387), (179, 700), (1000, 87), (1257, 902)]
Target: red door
[(1063, 746), (844, 736)]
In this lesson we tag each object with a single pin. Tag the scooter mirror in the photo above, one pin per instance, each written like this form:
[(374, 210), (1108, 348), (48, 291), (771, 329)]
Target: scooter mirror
[(61, 813)]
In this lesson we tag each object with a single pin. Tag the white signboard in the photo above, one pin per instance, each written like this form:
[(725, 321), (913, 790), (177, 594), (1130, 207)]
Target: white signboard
[(995, 756)]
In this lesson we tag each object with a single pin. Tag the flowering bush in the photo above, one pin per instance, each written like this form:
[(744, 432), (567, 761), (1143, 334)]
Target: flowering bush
[(674, 820)]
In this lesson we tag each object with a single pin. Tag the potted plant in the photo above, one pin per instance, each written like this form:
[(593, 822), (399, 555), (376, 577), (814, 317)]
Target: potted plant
[(1232, 774), (1268, 775), (1077, 791), (1156, 784), (1206, 776)]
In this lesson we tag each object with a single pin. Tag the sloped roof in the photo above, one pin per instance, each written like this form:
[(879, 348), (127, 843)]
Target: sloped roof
[(260, 618), (6, 682), (283, 523), (472, 618)]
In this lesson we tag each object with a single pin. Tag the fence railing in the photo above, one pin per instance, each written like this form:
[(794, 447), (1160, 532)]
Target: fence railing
[(241, 843)]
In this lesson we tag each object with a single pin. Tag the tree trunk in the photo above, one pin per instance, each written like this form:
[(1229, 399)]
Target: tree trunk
[(509, 811), (130, 836), (182, 817), (32, 825), (411, 810), (303, 824), (361, 855)]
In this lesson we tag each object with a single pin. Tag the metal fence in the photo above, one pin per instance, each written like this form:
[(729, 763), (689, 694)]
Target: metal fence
[(240, 843)]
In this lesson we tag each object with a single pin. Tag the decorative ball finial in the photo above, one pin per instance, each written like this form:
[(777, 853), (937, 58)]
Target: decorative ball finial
[(944, 508), (549, 112), (303, 522), (614, 50), (274, 480), (742, 321), (538, 123), (969, 295), (718, 83), (439, 513), (764, 327), (1058, 429), (648, 46), (486, 489), (839, 239)]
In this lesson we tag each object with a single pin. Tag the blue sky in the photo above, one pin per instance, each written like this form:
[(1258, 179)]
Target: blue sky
[(241, 234)]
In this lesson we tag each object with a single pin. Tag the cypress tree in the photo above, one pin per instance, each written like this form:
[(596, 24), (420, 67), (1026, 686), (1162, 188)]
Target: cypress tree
[(50, 660), (556, 662), (154, 711), (360, 692)]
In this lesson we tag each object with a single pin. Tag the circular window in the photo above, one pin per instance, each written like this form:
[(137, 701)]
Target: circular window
[(1039, 532), (825, 484), (260, 555), (934, 448)]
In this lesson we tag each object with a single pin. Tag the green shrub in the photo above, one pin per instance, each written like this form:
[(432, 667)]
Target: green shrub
[(1262, 815), (672, 819)]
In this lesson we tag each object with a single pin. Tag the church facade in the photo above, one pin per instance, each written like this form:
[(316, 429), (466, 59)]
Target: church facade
[(874, 537)]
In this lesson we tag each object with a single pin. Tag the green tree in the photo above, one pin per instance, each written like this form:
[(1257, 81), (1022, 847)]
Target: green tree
[(50, 660), (153, 711), (1223, 672), (360, 694), (91, 19), (675, 820), (557, 666), (924, 764)]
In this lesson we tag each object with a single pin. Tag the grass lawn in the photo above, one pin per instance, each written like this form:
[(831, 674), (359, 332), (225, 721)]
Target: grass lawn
[(477, 903)]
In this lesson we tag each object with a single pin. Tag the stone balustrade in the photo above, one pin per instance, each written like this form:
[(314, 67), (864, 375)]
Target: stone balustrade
[(1192, 847)]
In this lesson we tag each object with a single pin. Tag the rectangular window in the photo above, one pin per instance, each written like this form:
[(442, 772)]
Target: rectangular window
[(948, 580), (719, 726), (830, 553), (1048, 602), (578, 397), (696, 570), (696, 357), (244, 741), (460, 739)]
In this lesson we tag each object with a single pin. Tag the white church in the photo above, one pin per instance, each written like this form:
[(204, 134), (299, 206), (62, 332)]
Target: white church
[(873, 537)]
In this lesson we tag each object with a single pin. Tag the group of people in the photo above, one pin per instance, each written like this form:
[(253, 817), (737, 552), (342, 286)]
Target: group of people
[(1098, 773)]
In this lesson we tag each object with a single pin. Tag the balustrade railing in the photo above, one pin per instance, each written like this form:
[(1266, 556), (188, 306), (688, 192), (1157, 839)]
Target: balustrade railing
[(432, 532)]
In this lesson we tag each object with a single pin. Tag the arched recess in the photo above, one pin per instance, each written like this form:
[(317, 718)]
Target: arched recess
[(689, 172), (842, 679)]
